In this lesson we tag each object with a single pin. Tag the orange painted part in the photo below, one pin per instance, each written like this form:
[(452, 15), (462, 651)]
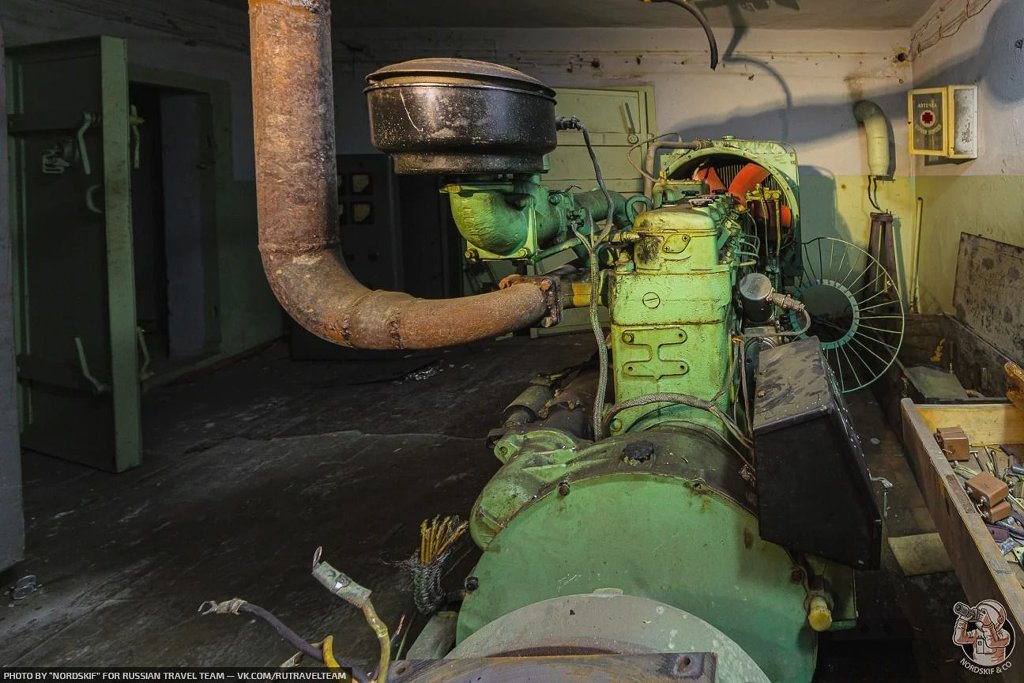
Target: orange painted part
[(749, 177), (787, 216), (710, 176)]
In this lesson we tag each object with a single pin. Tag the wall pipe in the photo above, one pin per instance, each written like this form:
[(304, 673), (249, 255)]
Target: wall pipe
[(876, 128), (652, 151), (296, 197)]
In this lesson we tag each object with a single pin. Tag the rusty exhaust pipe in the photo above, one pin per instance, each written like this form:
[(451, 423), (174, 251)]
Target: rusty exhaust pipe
[(296, 196)]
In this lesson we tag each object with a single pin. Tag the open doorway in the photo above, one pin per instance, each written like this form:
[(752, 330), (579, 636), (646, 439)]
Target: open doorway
[(174, 244)]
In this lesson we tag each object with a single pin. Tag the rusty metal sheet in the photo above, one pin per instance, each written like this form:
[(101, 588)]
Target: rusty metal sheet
[(989, 277)]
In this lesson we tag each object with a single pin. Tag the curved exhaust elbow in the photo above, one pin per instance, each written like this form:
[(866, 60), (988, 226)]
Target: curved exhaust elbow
[(876, 128), (296, 194)]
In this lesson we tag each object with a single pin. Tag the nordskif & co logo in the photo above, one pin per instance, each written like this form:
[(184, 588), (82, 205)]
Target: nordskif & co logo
[(985, 635)]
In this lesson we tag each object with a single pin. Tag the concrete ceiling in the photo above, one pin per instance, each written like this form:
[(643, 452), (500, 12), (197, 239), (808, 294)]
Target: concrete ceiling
[(803, 14)]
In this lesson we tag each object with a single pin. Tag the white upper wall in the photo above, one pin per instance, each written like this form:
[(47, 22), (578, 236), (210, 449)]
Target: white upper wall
[(987, 50), (794, 86), (781, 14)]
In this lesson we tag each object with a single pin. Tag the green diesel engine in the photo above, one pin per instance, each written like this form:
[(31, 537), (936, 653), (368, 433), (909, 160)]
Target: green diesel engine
[(625, 518), (692, 503)]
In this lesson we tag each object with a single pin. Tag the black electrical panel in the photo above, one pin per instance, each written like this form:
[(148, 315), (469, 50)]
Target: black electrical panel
[(813, 489)]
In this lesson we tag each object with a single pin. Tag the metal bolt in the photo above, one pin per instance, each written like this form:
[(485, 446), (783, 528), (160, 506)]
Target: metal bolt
[(616, 425), (683, 665), (522, 253), (628, 337), (563, 488), (472, 583), (472, 255), (651, 300)]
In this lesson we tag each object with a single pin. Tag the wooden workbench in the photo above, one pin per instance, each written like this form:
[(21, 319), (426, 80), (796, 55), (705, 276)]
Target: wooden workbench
[(980, 565)]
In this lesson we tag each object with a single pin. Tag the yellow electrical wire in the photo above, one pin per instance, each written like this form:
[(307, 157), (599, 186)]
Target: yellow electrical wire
[(438, 536)]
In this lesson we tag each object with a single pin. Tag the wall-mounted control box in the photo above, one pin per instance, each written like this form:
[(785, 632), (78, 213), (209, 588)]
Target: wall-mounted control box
[(943, 122)]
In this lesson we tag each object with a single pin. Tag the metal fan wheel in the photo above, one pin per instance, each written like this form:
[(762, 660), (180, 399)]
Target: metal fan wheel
[(855, 307)]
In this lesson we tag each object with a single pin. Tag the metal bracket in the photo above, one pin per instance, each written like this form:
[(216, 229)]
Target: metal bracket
[(886, 487)]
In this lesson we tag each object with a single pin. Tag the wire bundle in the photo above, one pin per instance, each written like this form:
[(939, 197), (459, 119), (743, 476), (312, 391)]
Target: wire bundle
[(437, 537), (591, 243), (920, 42)]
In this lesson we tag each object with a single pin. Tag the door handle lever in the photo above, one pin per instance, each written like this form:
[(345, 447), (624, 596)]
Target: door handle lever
[(87, 120), (98, 386)]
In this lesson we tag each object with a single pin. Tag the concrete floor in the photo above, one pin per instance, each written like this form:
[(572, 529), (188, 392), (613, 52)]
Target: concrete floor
[(249, 468)]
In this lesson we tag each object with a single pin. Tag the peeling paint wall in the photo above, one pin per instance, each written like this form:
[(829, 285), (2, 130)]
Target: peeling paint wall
[(208, 41), (984, 196), (794, 86)]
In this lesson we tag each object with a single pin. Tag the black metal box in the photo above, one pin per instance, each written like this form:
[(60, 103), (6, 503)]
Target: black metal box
[(813, 489)]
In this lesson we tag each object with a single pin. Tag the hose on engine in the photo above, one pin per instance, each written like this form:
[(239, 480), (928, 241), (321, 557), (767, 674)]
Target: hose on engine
[(574, 123), (678, 399), (703, 21), (745, 392), (802, 330), (735, 359), (653, 145), (591, 243), (736, 362), (788, 333)]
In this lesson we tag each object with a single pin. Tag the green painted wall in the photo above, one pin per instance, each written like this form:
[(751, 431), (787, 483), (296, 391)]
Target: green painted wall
[(992, 206), (246, 311), (983, 196), (249, 314), (215, 61), (838, 206)]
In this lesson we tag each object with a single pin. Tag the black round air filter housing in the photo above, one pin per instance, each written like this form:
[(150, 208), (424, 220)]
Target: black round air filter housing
[(460, 116)]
